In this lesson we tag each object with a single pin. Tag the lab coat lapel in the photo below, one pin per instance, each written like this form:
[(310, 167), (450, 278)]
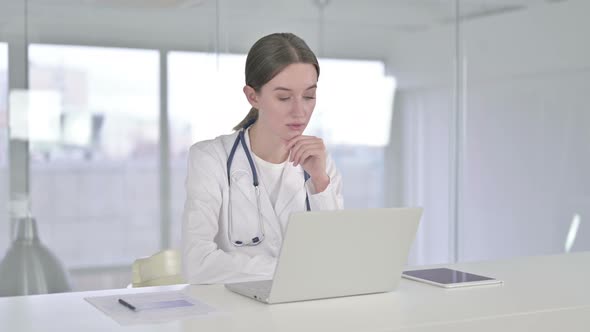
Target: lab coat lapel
[(269, 212), (242, 180), (292, 190), (245, 186)]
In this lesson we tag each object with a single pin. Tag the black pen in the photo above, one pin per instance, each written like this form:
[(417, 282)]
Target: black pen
[(127, 304)]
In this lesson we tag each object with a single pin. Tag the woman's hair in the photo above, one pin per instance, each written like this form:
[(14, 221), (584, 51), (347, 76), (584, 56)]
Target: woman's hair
[(268, 57)]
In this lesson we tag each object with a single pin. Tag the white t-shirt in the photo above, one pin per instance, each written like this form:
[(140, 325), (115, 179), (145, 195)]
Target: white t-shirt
[(270, 176)]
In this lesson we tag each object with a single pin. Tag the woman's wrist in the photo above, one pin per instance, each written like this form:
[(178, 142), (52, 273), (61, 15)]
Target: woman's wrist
[(320, 183)]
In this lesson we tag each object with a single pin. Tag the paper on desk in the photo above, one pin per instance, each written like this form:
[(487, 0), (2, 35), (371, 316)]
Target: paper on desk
[(155, 307)]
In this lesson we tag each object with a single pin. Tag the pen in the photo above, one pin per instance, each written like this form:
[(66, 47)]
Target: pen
[(127, 304)]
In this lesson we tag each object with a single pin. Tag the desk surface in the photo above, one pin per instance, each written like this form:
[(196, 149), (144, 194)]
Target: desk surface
[(544, 293)]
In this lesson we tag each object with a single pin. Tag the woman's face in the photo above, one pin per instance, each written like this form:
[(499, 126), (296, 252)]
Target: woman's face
[(286, 102)]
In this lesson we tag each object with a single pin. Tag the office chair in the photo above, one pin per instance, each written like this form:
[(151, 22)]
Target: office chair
[(162, 268)]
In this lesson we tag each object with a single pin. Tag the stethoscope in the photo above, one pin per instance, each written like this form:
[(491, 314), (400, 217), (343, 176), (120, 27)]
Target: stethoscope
[(256, 240)]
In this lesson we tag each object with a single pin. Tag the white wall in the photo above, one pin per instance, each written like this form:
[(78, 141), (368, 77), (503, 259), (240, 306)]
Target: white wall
[(527, 165), (421, 166), (527, 122)]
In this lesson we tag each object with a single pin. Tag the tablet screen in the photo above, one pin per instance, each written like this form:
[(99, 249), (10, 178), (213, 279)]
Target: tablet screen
[(446, 276)]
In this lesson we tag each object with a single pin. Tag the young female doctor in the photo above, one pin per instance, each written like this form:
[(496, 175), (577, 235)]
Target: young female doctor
[(242, 187)]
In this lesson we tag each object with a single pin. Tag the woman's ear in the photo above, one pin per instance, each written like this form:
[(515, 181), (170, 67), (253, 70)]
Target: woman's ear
[(251, 95)]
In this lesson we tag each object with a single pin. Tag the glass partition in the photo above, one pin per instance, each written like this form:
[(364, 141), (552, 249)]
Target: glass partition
[(527, 157), (474, 110), (4, 175), (98, 150), (114, 108)]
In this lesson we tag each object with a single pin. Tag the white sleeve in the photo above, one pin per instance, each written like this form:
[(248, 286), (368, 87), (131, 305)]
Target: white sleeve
[(331, 198), (202, 261)]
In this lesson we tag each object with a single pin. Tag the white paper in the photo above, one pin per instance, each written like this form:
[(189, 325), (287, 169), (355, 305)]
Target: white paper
[(155, 307)]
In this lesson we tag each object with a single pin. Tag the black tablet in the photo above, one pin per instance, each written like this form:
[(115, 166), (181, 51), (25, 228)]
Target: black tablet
[(449, 278)]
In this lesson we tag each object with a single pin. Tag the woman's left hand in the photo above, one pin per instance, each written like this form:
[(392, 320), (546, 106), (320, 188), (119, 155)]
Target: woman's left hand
[(310, 153)]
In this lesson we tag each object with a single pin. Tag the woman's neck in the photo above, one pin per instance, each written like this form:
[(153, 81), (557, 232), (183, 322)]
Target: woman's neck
[(266, 146)]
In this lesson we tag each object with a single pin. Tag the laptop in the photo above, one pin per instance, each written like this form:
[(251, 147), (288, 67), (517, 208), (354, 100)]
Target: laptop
[(329, 254)]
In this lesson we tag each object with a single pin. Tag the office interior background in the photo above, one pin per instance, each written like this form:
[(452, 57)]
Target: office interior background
[(476, 110)]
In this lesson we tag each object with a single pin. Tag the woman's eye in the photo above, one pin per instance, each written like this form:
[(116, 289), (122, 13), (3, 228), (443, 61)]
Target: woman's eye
[(283, 98), (309, 97)]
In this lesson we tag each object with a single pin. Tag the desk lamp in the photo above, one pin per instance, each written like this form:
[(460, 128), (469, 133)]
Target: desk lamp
[(29, 267)]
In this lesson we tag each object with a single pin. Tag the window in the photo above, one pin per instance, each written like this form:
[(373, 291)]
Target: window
[(205, 101), (356, 127), (93, 124)]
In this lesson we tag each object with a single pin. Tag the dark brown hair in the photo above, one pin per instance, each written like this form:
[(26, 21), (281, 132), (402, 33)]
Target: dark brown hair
[(268, 57)]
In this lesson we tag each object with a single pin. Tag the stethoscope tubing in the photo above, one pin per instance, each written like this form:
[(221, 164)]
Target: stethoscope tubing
[(257, 239)]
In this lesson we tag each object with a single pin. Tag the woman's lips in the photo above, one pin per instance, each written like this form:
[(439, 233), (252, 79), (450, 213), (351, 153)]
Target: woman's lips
[(296, 126)]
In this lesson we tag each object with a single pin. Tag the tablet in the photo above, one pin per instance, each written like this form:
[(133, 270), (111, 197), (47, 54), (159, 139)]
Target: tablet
[(449, 278)]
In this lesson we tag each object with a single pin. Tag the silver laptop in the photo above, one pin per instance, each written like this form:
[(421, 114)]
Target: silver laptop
[(338, 253)]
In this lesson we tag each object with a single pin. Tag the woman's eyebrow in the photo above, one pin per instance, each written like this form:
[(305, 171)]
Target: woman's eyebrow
[(281, 88), (286, 89)]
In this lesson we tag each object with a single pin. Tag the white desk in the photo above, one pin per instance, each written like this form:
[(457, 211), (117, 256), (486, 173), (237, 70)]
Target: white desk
[(539, 293)]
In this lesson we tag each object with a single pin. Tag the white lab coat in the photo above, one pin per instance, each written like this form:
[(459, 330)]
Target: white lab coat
[(207, 254)]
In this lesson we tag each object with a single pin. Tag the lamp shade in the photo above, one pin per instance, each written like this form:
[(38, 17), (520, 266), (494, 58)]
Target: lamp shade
[(29, 267)]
